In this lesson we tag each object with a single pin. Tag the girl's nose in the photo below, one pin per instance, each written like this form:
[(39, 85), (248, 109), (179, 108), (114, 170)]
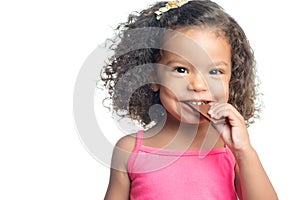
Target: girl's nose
[(197, 83)]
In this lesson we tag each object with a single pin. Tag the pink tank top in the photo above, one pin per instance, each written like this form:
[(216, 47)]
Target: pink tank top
[(157, 174)]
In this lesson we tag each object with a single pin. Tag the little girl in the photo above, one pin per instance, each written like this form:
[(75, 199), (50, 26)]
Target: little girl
[(171, 59)]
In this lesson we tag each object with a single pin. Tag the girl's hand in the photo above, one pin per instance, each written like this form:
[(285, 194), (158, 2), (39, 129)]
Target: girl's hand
[(234, 133), (251, 179)]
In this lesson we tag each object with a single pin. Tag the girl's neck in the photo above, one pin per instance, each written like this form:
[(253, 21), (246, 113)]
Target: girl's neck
[(174, 134), (174, 126)]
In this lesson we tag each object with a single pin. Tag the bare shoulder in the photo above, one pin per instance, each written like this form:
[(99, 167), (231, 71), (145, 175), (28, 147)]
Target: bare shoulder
[(127, 142), (122, 152), (119, 184)]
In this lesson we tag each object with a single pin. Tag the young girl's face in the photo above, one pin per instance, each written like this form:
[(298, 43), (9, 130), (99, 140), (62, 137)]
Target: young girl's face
[(195, 69)]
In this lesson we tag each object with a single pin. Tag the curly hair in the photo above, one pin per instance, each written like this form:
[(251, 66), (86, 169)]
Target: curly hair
[(129, 86)]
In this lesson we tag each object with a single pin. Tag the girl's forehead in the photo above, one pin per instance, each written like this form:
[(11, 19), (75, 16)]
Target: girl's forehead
[(194, 34), (197, 46)]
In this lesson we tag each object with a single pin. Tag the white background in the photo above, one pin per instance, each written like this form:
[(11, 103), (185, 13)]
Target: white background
[(43, 45)]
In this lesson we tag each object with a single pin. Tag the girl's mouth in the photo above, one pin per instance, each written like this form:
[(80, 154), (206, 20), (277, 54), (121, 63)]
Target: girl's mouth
[(203, 107), (197, 103)]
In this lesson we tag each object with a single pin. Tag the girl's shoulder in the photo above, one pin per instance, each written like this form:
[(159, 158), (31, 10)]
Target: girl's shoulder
[(122, 151), (127, 142)]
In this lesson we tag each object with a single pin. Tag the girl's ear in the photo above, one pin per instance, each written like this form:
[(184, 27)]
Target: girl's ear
[(155, 87)]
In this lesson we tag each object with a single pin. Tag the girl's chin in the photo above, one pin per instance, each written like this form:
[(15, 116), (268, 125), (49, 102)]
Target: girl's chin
[(193, 120)]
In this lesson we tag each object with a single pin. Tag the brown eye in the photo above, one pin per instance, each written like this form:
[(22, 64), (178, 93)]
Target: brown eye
[(181, 70)]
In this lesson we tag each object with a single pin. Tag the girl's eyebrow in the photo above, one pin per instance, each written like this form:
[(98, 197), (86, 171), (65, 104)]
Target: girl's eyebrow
[(182, 61), (175, 59), (171, 58), (219, 63)]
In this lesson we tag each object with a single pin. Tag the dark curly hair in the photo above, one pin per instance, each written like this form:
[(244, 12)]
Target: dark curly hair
[(129, 84)]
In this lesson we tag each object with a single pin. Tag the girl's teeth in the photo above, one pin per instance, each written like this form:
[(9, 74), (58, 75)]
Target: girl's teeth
[(198, 103)]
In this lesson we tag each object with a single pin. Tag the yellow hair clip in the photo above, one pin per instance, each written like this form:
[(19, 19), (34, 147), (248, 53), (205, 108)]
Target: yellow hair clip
[(168, 6)]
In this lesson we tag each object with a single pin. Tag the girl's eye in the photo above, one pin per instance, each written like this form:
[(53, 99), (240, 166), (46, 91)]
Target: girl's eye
[(181, 70), (215, 72)]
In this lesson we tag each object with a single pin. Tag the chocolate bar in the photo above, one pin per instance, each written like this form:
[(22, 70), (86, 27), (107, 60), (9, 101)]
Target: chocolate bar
[(203, 109)]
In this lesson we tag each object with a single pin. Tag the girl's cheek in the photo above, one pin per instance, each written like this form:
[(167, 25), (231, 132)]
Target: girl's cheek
[(220, 91), (176, 85)]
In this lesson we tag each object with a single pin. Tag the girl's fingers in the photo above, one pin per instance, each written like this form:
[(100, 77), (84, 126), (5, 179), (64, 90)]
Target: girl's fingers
[(220, 110), (234, 133)]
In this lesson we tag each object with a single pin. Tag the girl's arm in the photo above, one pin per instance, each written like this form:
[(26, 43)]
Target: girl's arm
[(119, 183), (252, 182)]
